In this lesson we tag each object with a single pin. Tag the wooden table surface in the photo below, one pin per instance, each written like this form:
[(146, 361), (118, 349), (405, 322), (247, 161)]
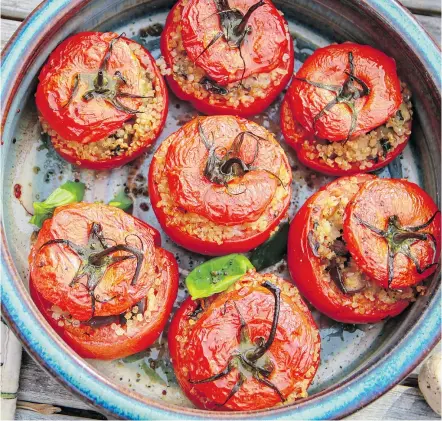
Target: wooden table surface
[(40, 394)]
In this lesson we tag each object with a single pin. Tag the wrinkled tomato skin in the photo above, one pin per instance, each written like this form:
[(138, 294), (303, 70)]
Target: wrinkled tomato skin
[(221, 337), (197, 245), (186, 144), (69, 125), (295, 136), (262, 49), (203, 105), (375, 202), (305, 270), (53, 267), (103, 343), (327, 65)]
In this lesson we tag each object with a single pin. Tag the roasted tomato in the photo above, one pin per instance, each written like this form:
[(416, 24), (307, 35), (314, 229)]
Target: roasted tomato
[(322, 265), (227, 56), (220, 185), (102, 99), (102, 281), (346, 110), (392, 228), (251, 347)]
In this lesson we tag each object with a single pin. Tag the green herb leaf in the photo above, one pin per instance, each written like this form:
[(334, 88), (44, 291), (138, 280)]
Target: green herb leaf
[(69, 192), (216, 275), (122, 201), (273, 250)]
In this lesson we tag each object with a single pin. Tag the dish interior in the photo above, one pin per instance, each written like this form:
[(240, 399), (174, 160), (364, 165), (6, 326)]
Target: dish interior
[(32, 164)]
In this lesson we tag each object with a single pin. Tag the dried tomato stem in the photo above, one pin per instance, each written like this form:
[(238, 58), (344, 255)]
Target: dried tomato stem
[(400, 239), (248, 360), (242, 25), (262, 349), (95, 259), (346, 94)]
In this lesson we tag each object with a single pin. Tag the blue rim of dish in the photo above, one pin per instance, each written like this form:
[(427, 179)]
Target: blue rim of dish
[(51, 352)]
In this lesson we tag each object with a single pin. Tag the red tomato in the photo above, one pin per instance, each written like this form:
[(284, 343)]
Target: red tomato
[(262, 49), (392, 228), (212, 75), (91, 85), (92, 264), (350, 76), (257, 339), (314, 254), (220, 185), (302, 142)]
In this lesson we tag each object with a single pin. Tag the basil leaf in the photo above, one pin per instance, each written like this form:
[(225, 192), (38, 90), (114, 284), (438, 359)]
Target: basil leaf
[(273, 250), (69, 192), (122, 201), (216, 275)]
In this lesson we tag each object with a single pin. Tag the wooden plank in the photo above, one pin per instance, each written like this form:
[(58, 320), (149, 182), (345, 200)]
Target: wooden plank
[(423, 7), (8, 27), (400, 403), (18, 9), (432, 25), (23, 414), (37, 386)]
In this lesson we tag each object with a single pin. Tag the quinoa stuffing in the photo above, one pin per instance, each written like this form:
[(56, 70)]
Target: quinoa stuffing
[(332, 250), (362, 152)]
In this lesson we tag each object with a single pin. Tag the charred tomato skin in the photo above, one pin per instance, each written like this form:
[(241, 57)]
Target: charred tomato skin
[(328, 65), (295, 135), (306, 273), (195, 243), (78, 54), (300, 356), (160, 273), (375, 203), (202, 104)]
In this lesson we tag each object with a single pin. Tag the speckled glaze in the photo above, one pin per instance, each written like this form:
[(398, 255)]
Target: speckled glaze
[(401, 344)]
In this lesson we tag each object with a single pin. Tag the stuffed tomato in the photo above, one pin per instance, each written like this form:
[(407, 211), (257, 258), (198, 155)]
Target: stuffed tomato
[(253, 346), (227, 57), (220, 185), (101, 280), (101, 99), (331, 260), (346, 110)]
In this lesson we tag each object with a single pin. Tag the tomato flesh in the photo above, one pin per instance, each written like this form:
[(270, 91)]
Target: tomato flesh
[(202, 346), (310, 270), (54, 266), (330, 66), (377, 202)]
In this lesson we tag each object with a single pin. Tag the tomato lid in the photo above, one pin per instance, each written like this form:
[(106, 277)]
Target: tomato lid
[(90, 86), (392, 230), (345, 90), (234, 39)]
